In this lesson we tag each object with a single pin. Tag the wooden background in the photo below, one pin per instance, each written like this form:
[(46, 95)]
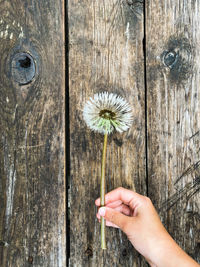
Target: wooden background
[(32, 124), (149, 53)]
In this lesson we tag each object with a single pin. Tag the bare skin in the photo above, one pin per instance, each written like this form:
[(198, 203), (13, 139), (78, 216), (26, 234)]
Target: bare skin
[(136, 216)]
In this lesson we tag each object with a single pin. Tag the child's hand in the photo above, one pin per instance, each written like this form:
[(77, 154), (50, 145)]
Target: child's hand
[(137, 217)]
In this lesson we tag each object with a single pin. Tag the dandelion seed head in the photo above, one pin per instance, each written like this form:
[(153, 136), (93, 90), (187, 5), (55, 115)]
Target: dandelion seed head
[(106, 112)]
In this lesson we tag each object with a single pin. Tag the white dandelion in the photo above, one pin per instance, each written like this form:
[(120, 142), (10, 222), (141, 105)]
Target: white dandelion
[(107, 112), (104, 113)]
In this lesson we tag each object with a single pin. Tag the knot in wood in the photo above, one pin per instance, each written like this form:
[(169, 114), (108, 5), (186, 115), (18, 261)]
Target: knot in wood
[(30, 260), (89, 252), (170, 58), (136, 6), (124, 252), (178, 58), (23, 68), (3, 243)]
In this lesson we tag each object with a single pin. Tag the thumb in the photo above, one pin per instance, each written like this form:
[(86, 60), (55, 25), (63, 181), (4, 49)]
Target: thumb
[(117, 218)]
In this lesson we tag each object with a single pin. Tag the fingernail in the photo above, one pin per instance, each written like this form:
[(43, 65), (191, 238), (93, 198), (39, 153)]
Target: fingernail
[(102, 211)]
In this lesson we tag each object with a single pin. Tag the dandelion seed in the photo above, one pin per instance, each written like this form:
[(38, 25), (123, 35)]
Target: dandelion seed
[(107, 112)]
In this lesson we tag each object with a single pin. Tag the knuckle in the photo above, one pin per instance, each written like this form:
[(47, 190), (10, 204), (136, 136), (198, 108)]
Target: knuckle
[(120, 188), (147, 198), (147, 201)]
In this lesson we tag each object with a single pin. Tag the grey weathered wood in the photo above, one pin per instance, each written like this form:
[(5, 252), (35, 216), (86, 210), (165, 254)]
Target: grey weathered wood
[(32, 182), (173, 99), (105, 54)]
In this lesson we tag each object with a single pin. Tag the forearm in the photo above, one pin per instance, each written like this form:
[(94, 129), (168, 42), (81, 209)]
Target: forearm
[(169, 254)]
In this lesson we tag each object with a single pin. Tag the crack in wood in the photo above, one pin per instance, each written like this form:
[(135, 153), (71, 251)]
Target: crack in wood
[(189, 170), (9, 166), (188, 191), (195, 134)]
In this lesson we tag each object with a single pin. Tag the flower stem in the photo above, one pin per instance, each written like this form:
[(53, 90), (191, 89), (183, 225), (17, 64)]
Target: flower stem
[(102, 192)]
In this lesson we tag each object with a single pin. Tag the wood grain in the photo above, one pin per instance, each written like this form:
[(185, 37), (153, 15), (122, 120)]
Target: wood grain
[(105, 54), (173, 101), (32, 181)]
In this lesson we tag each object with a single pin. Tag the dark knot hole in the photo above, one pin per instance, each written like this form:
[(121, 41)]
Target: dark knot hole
[(170, 58), (25, 62)]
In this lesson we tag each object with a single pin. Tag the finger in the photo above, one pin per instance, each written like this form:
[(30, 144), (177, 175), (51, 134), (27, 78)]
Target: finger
[(114, 204), (128, 197), (107, 222), (123, 209), (122, 221)]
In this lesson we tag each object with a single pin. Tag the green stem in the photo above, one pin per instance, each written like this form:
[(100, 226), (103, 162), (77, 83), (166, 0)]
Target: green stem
[(102, 193)]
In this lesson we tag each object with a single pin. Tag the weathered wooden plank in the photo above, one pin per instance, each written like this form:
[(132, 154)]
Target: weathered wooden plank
[(105, 53), (172, 43), (32, 183)]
